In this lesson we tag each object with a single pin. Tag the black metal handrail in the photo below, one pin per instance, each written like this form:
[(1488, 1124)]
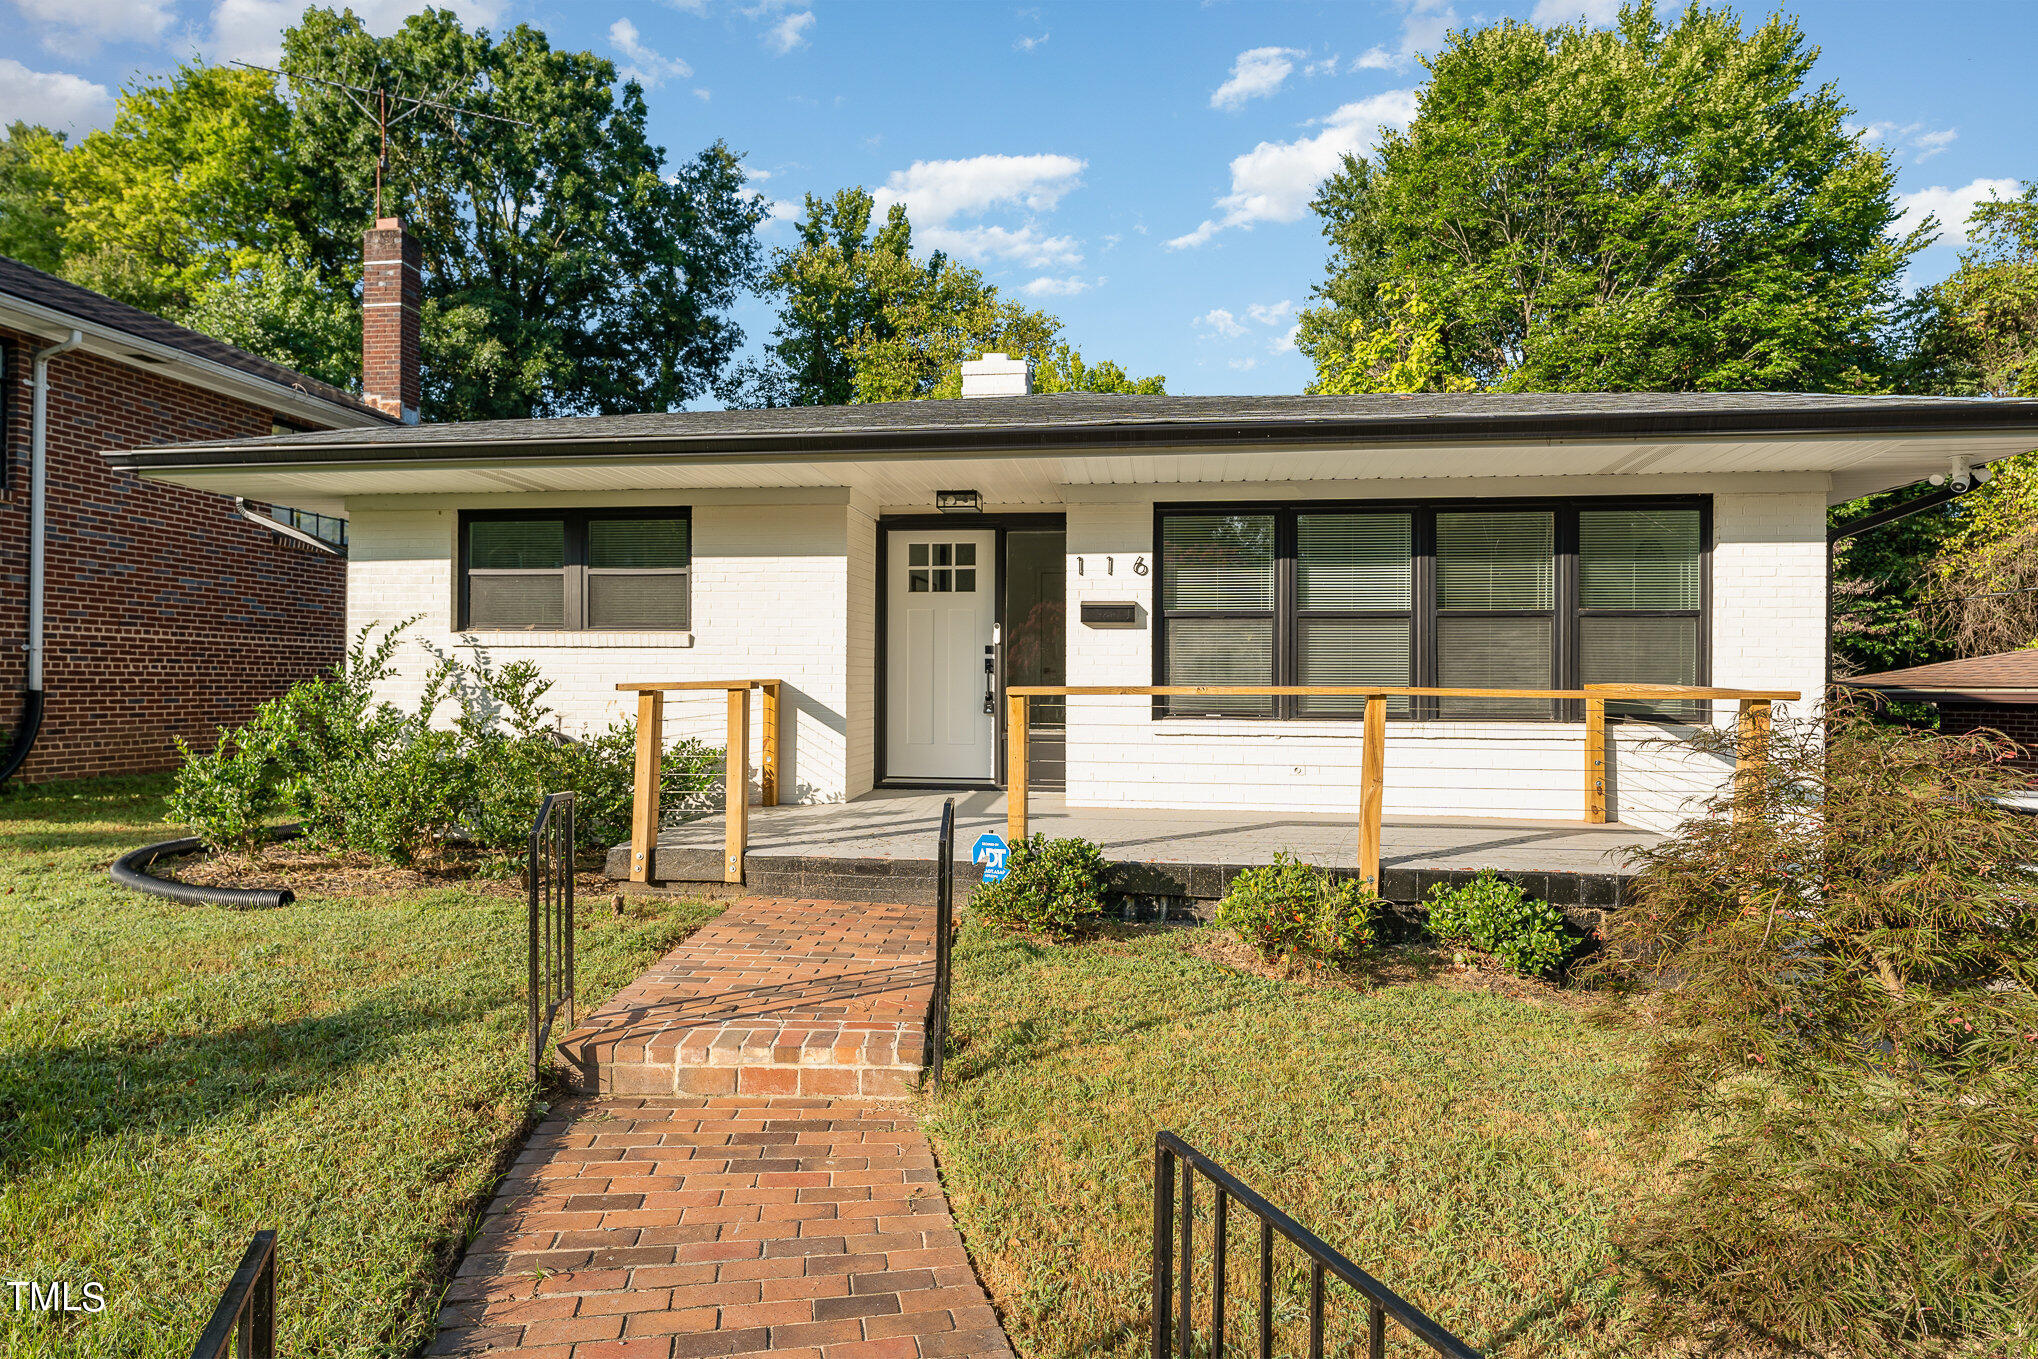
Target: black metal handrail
[(551, 901), (1175, 1327), (248, 1306), (944, 925)]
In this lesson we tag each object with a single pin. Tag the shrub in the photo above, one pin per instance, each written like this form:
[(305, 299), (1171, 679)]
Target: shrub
[(1493, 915), (1297, 909), (223, 794), (1051, 887), (1837, 970)]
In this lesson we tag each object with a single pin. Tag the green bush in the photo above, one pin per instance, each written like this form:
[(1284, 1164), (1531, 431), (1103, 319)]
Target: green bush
[(223, 793), (1051, 887), (1297, 909), (1493, 915), (365, 774)]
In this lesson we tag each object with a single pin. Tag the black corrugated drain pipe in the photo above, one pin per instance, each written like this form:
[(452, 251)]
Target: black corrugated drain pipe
[(130, 870)]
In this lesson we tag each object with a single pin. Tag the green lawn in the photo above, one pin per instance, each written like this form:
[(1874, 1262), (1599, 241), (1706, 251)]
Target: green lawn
[(348, 1071), (1467, 1148)]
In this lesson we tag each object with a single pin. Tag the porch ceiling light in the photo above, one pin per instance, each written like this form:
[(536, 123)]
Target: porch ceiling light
[(958, 502)]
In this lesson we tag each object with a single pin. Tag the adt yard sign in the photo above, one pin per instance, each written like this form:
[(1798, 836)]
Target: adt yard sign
[(989, 850)]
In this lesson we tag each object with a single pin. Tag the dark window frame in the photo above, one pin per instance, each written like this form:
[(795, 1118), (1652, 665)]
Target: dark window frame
[(575, 572), (1565, 614)]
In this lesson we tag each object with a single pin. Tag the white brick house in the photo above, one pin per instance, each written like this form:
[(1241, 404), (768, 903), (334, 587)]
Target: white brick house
[(1461, 541)]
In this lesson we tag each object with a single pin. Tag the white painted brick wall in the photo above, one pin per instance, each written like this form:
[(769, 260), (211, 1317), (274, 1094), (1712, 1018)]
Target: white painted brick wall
[(771, 593), (1769, 601)]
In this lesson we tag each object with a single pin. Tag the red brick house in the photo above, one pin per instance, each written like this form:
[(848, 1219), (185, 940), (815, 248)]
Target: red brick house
[(165, 611), (1994, 693)]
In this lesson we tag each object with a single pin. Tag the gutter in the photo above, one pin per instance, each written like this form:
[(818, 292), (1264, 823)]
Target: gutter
[(613, 440), (38, 544)]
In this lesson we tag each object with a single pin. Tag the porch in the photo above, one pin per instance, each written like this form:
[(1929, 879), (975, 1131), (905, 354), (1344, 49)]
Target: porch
[(880, 847)]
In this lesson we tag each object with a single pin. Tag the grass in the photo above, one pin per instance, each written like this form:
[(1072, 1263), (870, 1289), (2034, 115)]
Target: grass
[(1468, 1148), (348, 1071)]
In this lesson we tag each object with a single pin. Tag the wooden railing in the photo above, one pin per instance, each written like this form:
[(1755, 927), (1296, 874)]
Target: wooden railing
[(735, 768), (1754, 724)]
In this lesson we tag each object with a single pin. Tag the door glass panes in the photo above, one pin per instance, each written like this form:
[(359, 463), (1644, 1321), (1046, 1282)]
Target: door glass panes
[(1638, 559), (1502, 559), (1217, 562), (941, 568)]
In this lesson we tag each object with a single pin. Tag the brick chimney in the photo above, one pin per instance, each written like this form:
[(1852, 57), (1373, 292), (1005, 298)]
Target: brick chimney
[(997, 375), (391, 294)]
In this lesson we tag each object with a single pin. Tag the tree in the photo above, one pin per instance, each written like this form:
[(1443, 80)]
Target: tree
[(566, 267), (1836, 972), (1664, 206), (31, 218), (862, 319)]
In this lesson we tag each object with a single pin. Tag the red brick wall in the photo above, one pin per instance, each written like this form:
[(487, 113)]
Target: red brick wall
[(2017, 721), (166, 613)]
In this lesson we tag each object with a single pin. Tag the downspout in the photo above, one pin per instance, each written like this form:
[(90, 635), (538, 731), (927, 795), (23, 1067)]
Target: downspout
[(1960, 478), (38, 540)]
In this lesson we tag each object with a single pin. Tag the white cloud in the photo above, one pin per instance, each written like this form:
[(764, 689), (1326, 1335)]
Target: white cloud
[(1424, 24), (641, 63), (81, 25), (936, 190), (1284, 343), (1951, 206), (1592, 13), (1255, 74), (1900, 137), (55, 99), (703, 95), (1274, 181), (1026, 246), (693, 7), (1270, 313), (1243, 365), (790, 32), (252, 30), (1221, 321), (1930, 144), (1025, 44), (1049, 286)]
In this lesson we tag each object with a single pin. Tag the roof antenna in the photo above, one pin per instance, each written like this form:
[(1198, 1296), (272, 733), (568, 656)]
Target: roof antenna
[(380, 113)]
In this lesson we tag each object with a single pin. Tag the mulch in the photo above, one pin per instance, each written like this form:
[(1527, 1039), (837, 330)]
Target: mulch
[(310, 871)]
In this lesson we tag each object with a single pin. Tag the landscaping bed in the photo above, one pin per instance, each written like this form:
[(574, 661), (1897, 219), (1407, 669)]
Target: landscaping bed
[(1462, 1134), (349, 1070)]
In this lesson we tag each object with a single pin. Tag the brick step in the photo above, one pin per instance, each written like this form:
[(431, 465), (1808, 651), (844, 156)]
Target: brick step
[(814, 1059)]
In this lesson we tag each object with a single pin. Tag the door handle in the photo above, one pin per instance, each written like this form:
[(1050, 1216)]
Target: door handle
[(990, 684)]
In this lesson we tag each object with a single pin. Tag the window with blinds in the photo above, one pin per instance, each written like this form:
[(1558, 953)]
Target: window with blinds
[(1640, 602), (1447, 595), (1217, 606), (614, 571)]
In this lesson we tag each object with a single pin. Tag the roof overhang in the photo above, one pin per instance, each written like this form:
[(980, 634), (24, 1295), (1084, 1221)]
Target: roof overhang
[(33, 318)]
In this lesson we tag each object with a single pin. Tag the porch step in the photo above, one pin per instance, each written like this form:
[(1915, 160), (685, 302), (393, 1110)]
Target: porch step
[(778, 997)]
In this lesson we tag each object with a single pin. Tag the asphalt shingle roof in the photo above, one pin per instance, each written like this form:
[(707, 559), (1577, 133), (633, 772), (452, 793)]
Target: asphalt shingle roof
[(47, 290), (1972, 675)]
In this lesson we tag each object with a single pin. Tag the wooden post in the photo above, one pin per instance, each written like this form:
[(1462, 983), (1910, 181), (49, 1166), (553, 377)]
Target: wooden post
[(644, 800), (1372, 776), (736, 785), (1595, 761), (767, 766), (1751, 747), (1015, 770)]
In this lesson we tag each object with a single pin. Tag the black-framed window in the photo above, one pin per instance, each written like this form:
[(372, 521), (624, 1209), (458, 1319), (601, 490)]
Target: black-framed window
[(1444, 594), (574, 570)]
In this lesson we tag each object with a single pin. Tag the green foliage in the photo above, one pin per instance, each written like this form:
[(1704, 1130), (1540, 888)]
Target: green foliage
[(1495, 916), (1296, 909), (1659, 206), (1050, 887), (31, 217), (1992, 298), (1881, 583), (288, 310), (364, 774), (223, 793), (862, 319), (1837, 971)]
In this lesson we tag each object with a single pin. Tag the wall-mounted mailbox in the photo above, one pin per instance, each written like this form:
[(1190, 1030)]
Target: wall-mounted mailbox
[(1109, 615)]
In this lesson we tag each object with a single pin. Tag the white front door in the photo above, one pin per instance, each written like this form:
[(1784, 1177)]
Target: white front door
[(940, 602)]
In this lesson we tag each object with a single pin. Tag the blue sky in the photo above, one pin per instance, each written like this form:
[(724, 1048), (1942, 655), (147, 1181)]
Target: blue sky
[(1142, 170)]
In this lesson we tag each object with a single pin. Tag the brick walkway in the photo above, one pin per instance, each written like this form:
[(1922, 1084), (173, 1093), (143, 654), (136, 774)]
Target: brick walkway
[(774, 997), (670, 1228)]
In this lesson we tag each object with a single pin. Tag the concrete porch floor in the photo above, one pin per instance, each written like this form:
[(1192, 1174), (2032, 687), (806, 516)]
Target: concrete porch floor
[(886, 841)]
